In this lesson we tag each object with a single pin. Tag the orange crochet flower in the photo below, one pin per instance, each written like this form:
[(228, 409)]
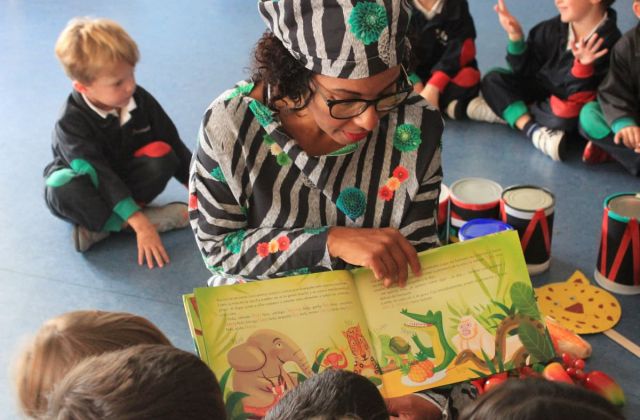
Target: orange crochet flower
[(273, 246), (385, 193), (401, 173), (393, 183), (283, 243), (263, 249)]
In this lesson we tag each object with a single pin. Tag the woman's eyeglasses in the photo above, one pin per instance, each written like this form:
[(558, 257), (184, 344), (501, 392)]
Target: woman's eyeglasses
[(344, 109)]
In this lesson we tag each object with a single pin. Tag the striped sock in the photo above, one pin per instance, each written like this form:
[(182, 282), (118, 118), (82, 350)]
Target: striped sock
[(530, 128)]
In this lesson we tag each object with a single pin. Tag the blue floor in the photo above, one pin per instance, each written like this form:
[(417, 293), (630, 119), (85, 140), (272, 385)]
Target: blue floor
[(191, 51)]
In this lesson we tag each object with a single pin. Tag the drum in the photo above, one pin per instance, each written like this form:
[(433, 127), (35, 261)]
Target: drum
[(472, 198)]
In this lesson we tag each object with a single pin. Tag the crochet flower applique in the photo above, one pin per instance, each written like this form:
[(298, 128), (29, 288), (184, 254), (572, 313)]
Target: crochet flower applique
[(261, 112), (281, 243), (387, 191), (282, 157), (218, 175), (244, 89), (352, 202), (233, 241), (367, 21), (407, 138)]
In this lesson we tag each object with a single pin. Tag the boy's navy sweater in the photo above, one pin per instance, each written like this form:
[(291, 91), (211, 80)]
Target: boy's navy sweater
[(102, 148), (443, 45), (619, 94), (545, 57)]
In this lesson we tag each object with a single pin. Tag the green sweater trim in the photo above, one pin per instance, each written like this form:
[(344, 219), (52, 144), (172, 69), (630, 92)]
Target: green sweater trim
[(516, 47), (623, 122), (126, 208)]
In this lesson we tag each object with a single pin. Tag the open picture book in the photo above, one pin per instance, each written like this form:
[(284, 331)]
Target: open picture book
[(472, 312)]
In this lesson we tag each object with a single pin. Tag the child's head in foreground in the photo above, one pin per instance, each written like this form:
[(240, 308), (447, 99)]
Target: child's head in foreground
[(332, 395), (64, 341), (99, 57), (141, 382), (539, 399)]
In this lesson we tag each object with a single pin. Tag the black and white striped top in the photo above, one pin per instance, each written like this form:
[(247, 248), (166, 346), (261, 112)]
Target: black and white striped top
[(260, 206)]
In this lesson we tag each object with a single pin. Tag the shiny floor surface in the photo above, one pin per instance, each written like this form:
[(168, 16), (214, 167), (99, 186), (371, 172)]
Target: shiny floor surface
[(191, 51)]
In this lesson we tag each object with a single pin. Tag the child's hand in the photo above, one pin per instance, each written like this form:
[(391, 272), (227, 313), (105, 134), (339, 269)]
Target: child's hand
[(587, 52), (509, 23), (150, 246), (431, 94), (630, 137)]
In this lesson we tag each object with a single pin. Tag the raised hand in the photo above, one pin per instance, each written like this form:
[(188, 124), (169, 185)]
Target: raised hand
[(509, 23), (384, 250), (587, 51)]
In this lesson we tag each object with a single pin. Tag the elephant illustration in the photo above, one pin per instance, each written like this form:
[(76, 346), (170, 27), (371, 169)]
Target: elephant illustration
[(258, 366)]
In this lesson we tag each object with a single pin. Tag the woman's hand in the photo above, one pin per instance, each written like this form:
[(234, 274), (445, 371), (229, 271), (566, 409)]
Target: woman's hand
[(150, 246), (384, 250), (587, 52), (509, 23)]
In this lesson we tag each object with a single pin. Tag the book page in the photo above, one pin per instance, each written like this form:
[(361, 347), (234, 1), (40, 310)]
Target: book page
[(195, 328), (262, 338), (472, 312)]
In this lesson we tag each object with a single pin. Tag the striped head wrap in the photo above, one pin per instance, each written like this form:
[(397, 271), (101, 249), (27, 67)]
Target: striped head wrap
[(349, 39)]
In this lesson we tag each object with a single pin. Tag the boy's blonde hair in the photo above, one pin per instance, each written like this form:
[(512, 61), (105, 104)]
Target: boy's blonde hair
[(64, 341), (88, 46)]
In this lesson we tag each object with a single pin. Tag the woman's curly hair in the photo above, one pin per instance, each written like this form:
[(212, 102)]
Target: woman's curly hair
[(274, 65)]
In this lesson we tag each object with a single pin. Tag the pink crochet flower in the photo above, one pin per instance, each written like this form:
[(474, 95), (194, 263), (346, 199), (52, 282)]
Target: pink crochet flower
[(283, 243), (193, 201), (385, 193), (263, 249), (401, 173)]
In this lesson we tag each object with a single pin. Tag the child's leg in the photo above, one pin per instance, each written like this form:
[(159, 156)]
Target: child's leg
[(507, 95), (150, 170), (459, 92), (594, 127), (73, 197)]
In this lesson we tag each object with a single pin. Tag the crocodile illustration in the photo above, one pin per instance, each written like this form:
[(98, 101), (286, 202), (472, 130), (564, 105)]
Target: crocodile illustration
[(431, 323), (396, 352)]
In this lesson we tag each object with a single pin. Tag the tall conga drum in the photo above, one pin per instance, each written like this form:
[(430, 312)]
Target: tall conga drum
[(472, 198), (530, 210), (443, 215), (618, 266)]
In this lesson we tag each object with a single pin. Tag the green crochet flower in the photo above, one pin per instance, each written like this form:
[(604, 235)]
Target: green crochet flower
[(345, 150), (268, 139), (233, 241), (244, 210), (407, 138), (218, 175), (215, 269), (283, 159), (241, 90), (261, 112), (315, 231), (352, 202), (299, 271), (367, 21)]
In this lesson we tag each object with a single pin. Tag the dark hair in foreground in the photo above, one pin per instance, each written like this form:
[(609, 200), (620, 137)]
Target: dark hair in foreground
[(539, 399), (332, 395), (141, 382), (607, 3)]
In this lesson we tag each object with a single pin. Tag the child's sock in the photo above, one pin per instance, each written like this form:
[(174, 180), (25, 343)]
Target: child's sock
[(530, 128)]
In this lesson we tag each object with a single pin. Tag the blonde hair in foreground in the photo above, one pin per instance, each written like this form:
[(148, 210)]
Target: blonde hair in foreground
[(64, 341)]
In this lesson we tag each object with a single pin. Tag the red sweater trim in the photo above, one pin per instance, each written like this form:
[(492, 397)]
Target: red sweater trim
[(570, 107), (440, 80), (582, 71)]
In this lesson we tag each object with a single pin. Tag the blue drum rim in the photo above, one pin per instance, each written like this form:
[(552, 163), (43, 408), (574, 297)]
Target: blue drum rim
[(613, 214), (514, 187)]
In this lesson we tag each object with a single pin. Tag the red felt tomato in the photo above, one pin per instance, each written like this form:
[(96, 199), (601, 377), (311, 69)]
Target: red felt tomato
[(495, 380)]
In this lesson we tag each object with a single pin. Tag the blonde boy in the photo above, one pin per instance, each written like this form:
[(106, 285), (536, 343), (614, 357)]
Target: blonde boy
[(114, 147), (553, 72), (613, 122)]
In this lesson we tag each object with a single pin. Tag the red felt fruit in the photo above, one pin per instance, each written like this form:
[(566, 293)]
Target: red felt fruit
[(555, 372), (495, 380), (567, 359), (479, 384), (604, 385), (578, 364)]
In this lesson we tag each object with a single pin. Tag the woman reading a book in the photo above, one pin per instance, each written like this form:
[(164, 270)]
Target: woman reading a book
[(324, 159)]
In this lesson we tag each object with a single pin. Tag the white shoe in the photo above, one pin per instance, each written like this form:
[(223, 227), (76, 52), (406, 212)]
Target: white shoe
[(83, 238), (169, 217), (550, 142), (451, 109), (479, 110)]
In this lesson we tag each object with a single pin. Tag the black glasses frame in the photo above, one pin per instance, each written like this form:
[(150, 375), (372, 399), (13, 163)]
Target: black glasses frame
[(405, 88)]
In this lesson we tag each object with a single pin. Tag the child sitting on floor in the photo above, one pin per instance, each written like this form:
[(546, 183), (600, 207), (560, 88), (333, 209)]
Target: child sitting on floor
[(141, 382), (554, 73), (64, 341), (114, 147), (611, 123), (442, 36)]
